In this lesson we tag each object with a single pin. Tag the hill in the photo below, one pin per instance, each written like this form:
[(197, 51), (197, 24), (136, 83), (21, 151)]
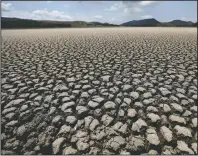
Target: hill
[(27, 23), (179, 23), (142, 23)]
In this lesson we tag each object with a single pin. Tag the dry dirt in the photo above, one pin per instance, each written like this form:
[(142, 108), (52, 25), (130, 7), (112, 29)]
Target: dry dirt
[(99, 91)]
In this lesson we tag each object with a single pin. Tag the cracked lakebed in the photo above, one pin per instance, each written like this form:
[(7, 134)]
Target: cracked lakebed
[(99, 91)]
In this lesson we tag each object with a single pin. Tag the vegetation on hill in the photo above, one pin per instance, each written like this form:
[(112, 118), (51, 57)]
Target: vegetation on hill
[(10, 23), (26, 23)]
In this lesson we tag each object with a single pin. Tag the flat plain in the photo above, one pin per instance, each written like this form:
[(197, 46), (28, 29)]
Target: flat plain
[(99, 91)]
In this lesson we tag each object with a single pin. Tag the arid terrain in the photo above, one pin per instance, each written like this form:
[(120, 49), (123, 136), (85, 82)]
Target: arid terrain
[(99, 91)]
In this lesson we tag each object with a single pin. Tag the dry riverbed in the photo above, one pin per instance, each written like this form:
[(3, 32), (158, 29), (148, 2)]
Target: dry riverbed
[(99, 91)]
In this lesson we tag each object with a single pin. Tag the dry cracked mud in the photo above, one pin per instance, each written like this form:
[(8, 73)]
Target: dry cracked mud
[(99, 91)]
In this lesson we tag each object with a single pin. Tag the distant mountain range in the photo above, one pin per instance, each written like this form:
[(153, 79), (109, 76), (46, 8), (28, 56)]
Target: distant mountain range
[(153, 23), (27, 23)]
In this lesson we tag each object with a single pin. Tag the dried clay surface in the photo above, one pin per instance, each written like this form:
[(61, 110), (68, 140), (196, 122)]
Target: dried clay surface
[(99, 91)]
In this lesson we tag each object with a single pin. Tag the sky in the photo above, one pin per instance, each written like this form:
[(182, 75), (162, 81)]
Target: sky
[(115, 12)]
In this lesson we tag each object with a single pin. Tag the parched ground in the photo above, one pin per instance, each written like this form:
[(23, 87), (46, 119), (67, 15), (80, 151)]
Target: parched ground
[(99, 91)]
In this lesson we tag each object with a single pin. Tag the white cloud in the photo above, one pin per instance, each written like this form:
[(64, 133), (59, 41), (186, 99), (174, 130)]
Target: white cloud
[(133, 10), (137, 6), (45, 14), (137, 9), (6, 6), (98, 17), (48, 1), (188, 19), (147, 16), (130, 3), (127, 6), (132, 7), (146, 3), (18, 14), (183, 18), (115, 6), (112, 8), (126, 10), (40, 15)]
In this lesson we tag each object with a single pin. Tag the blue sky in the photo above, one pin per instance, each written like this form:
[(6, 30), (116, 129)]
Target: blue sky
[(116, 12)]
